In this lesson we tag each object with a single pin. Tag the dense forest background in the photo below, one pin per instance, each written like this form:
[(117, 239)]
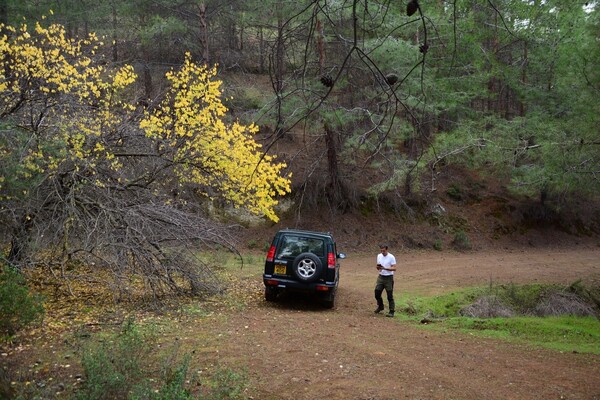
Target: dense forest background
[(373, 106)]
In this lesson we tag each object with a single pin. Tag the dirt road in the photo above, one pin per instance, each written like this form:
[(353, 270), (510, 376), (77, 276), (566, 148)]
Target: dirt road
[(296, 350)]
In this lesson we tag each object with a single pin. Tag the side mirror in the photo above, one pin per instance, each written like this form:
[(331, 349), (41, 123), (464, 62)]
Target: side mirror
[(341, 255)]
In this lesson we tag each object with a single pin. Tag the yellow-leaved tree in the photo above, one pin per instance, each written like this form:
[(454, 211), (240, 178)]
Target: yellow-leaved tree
[(209, 152), (60, 101), (86, 175)]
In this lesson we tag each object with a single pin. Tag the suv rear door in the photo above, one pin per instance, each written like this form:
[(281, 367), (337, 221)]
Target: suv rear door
[(290, 246)]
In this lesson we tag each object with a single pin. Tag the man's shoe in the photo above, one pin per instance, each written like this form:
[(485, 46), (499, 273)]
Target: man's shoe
[(390, 314), (378, 310)]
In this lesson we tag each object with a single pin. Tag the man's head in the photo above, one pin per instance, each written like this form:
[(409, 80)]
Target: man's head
[(384, 249)]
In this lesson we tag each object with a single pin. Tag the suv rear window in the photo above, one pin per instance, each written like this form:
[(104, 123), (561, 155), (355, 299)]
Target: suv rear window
[(291, 246)]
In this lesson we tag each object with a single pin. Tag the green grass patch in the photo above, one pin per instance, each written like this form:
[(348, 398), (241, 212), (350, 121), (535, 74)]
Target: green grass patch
[(242, 265), (567, 333), (441, 306)]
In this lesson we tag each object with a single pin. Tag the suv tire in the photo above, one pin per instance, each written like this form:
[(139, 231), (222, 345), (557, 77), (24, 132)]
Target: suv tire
[(307, 267), (270, 293), (329, 302)]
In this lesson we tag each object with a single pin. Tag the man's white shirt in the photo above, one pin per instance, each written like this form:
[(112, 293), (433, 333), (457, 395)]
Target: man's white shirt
[(386, 261)]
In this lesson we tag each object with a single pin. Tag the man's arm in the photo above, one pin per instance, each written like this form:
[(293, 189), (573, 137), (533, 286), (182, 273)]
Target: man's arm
[(390, 268)]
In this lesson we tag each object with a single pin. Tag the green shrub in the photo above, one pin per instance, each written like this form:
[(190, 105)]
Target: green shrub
[(118, 366), (174, 382), (454, 192), (523, 298), (461, 241), (227, 384), (113, 366), (18, 306), (437, 245), (591, 294), (173, 379)]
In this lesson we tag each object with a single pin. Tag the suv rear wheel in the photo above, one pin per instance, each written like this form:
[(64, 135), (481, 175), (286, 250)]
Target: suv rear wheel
[(270, 293), (330, 301), (307, 267)]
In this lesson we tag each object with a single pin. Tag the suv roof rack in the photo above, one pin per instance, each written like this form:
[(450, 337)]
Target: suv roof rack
[(306, 230)]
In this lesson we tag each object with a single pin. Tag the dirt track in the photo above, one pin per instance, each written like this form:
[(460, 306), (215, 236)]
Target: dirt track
[(296, 350)]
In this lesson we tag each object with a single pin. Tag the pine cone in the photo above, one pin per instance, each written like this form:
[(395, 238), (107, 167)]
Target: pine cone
[(327, 80), (412, 7), (391, 79)]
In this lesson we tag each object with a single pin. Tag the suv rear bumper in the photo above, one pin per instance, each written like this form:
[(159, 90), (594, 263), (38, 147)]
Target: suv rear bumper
[(288, 284)]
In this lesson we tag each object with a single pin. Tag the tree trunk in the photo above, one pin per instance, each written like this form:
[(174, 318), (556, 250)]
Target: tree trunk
[(203, 33), (408, 184), (241, 38), (261, 51), (524, 77), (279, 70), (148, 87), (490, 47), (321, 46), (231, 32), (337, 192), (19, 241), (115, 49), (279, 55)]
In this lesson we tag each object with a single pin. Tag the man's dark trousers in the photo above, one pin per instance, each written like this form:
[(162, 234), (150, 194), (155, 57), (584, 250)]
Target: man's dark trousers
[(387, 283)]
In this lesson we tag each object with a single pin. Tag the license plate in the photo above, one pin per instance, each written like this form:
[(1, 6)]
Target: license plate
[(280, 269)]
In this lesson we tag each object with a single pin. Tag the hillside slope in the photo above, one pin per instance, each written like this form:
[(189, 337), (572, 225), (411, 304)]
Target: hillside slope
[(465, 212), (453, 208)]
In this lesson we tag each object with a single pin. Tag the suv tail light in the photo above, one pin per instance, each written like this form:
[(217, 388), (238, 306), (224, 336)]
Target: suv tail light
[(330, 260), (271, 254)]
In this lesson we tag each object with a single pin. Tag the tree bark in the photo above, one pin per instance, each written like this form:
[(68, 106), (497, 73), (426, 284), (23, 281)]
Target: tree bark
[(337, 191), (261, 50), (203, 32), (279, 70), (523, 77), (321, 46), (115, 48), (19, 241)]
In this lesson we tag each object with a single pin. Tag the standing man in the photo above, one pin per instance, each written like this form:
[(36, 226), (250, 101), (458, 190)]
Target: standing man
[(386, 265)]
